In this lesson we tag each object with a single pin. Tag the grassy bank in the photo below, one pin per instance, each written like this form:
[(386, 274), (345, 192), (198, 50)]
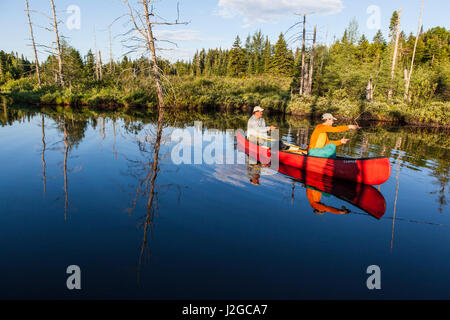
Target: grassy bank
[(271, 93), (433, 113)]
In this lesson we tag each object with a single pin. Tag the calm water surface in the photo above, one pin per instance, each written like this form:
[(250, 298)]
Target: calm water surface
[(79, 188)]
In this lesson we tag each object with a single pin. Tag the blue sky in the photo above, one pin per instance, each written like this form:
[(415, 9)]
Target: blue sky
[(213, 23)]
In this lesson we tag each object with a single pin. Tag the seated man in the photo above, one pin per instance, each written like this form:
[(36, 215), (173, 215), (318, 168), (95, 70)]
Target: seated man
[(257, 130), (320, 145), (256, 126)]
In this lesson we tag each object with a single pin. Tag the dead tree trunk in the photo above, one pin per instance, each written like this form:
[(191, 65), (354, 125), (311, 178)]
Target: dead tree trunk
[(369, 90), (145, 30), (58, 45), (306, 80), (397, 37), (151, 47), (302, 72), (405, 97), (34, 45), (405, 75), (97, 75), (110, 51), (100, 64), (311, 63)]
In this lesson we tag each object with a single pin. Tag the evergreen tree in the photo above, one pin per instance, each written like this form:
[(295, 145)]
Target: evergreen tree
[(236, 61), (267, 55), (89, 65), (393, 25), (283, 59)]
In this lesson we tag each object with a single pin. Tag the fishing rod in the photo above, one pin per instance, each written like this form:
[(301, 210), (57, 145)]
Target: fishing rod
[(406, 220)]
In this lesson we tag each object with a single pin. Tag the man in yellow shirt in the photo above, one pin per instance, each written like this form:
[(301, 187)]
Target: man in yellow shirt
[(320, 145)]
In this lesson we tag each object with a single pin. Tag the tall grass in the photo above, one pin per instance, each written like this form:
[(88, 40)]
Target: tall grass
[(271, 93)]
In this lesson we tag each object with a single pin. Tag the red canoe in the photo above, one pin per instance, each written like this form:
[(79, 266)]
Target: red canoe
[(364, 170), (360, 195)]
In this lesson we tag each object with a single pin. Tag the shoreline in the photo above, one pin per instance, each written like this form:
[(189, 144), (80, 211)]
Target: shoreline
[(115, 106)]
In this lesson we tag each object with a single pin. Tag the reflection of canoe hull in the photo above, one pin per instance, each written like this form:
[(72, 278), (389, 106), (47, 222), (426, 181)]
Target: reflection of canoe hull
[(368, 170), (360, 195)]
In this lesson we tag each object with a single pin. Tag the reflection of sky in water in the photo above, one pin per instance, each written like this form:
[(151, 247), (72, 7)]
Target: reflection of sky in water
[(215, 235)]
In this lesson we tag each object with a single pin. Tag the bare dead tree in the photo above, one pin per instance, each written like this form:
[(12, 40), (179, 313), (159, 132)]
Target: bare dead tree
[(58, 45), (33, 44), (302, 72), (306, 69), (405, 97), (97, 75), (311, 64), (142, 34), (369, 90), (110, 51), (100, 64), (394, 59)]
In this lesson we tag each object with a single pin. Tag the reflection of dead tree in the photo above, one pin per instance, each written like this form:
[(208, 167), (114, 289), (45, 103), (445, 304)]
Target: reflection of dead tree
[(66, 152), (146, 172), (442, 182), (114, 143), (5, 112), (43, 154), (293, 192), (397, 168), (143, 39), (147, 187)]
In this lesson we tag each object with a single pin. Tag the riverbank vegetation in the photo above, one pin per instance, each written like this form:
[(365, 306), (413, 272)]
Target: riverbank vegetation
[(351, 78)]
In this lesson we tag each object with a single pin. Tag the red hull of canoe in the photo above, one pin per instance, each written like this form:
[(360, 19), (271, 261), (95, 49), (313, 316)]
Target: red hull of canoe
[(372, 171), (360, 195)]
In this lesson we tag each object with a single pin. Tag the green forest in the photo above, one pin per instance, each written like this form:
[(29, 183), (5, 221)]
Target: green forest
[(351, 77)]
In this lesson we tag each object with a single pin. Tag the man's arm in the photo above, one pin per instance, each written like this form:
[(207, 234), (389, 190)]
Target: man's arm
[(335, 129)]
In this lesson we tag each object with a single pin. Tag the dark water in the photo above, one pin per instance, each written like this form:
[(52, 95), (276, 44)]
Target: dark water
[(79, 188)]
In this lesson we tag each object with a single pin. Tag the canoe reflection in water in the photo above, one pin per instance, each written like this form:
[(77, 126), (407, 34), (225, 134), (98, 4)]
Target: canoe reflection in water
[(318, 186)]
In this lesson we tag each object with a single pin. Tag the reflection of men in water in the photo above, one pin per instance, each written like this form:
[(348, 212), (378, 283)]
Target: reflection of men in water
[(320, 145), (314, 197), (254, 173)]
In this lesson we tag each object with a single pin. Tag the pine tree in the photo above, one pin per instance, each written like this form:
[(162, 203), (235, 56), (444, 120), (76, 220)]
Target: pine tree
[(267, 55), (283, 59), (393, 25), (236, 60), (89, 64)]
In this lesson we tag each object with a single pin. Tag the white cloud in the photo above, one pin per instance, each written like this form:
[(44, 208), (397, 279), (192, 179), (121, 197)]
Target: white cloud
[(266, 10)]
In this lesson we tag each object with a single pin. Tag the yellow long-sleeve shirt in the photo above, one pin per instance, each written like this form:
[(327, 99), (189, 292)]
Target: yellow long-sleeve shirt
[(319, 137)]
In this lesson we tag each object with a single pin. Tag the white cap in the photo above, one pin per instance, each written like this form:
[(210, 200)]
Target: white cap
[(257, 108), (327, 116)]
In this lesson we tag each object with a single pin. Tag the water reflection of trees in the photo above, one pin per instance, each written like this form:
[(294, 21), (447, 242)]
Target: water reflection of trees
[(73, 133), (145, 171), (419, 144)]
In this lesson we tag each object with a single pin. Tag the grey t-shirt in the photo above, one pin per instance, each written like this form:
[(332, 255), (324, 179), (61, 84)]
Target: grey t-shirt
[(257, 127)]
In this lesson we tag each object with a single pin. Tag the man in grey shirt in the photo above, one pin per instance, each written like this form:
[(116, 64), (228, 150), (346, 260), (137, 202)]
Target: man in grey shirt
[(256, 126)]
